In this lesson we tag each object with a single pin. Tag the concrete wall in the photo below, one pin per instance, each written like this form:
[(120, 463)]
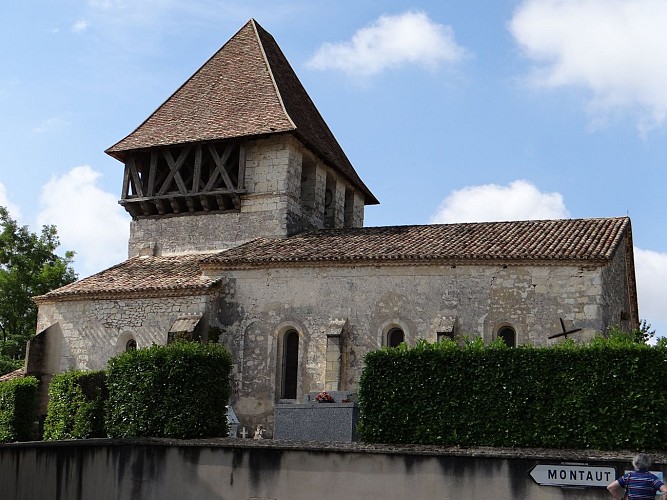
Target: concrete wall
[(247, 470)]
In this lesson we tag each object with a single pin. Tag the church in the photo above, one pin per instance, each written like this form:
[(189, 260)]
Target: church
[(247, 229)]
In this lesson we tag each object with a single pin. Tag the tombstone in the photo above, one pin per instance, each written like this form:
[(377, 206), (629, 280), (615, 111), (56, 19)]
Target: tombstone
[(233, 422)]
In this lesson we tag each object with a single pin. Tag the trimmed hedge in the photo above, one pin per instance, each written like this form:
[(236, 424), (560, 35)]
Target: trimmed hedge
[(76, 406), (179, 390), (606, 395), (18, 409)]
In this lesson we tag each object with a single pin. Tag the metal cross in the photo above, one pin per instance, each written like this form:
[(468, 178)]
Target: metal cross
[(565, 332)]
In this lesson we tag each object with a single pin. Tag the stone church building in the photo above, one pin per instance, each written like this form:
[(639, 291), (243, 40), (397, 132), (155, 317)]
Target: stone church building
[(247, 229)]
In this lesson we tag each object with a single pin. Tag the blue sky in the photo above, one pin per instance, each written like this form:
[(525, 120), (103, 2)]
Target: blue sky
[(449, 111)]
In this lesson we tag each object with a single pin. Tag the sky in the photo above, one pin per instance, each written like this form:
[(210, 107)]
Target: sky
[(449, 111)]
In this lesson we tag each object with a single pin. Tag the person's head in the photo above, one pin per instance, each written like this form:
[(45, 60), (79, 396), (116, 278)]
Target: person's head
[(641, 462)]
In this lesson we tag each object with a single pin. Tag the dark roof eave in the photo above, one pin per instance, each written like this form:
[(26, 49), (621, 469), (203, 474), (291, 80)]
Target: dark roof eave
[(406, 261), (114, 294)]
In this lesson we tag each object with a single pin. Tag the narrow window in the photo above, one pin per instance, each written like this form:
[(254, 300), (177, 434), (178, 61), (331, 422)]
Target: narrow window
[(290, 364), (508, 335), (131, 345), (395, 337), (445, 336)]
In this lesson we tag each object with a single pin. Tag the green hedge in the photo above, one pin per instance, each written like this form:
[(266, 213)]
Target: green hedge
[(179, 390), (18, 409), (606, 395), (76, 406)]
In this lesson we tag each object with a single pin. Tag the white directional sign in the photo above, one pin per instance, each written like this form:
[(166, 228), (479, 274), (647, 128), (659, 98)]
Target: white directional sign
[(572, 475)]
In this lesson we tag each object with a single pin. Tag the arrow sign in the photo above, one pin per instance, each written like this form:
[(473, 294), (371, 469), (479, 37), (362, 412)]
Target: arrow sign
[(572, 475)]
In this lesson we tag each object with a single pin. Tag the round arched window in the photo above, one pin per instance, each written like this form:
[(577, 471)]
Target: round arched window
[(395, 337), (290, 365), (131, 345), (508, 335)]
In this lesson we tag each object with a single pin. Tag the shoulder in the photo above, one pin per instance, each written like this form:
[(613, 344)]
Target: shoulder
[(623, 480)]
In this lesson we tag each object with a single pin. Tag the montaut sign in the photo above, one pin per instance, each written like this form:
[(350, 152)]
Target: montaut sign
[(572, 475)]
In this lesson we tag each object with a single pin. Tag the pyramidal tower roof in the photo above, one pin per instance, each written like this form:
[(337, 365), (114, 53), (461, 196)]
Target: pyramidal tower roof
[(247, 88)]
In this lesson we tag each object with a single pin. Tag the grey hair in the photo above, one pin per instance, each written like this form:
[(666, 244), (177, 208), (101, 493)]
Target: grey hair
[(642, 461)]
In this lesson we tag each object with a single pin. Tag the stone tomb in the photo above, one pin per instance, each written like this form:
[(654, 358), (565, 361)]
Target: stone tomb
[(316, 421)]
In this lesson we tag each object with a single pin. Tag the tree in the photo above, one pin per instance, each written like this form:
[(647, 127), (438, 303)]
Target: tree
[(644, 334), (28, 267)]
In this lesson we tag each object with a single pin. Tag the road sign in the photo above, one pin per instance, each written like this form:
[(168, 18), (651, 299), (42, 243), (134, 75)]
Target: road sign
[(572, 475)]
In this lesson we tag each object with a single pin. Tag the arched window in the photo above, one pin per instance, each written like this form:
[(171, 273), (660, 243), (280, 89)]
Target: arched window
[(395, 337), (131, 345), (508, 335), (290, 364)]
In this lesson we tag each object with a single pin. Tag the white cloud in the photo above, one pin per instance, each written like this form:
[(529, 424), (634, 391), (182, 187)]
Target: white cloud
[(89, 220), (80, 26), (614, 48), (521, 200), (651, 274), (14, 210), (390, 42), (50, 125)]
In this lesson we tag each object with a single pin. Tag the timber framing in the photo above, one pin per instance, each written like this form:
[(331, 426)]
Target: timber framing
[(191, 178)]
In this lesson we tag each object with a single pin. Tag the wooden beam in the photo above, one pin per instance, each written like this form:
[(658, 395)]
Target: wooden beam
[(190, 202), (126, 184), (220, 166), (134, 176), (236, 200), (152, 173), (160, 206), (241, 180), (221, 201), (175, 205), (196, 176), (173, 170)]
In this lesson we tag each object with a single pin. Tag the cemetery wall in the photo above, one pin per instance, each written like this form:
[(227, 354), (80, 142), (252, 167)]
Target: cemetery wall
[(251, 470)]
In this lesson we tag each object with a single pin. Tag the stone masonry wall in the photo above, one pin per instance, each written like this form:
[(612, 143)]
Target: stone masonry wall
[(95, 330), (272, 207), (261, 305), (615, 297)]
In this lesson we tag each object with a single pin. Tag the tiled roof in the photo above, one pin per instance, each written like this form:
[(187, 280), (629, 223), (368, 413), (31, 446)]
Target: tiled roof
[(247, 88), (18, 373), (140, 276), (536, 240), (591, 240)]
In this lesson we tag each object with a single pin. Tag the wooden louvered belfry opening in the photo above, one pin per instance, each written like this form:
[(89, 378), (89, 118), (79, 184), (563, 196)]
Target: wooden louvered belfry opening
[(191, 178)]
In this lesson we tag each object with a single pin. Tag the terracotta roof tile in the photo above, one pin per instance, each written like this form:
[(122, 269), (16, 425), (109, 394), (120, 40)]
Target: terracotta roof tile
[(568, 239), (247, 88), (18, 373), (544, 240), (140, 275)]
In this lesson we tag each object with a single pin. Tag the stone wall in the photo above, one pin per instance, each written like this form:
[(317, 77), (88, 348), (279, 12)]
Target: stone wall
[(617, 310), (279, 201), (95, 330), (261, 305), (247, 470)]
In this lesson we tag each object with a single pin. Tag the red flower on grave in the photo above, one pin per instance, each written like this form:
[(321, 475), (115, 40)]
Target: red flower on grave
[(324, 397)]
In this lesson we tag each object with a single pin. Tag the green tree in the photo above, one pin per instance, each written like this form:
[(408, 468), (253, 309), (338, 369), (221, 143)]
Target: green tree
[(642, 335), (28, 267)]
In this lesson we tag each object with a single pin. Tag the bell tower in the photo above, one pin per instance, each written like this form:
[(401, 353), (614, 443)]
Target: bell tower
[(238, 152)]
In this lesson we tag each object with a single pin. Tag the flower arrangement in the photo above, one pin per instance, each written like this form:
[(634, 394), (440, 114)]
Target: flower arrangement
[(324, 397)]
